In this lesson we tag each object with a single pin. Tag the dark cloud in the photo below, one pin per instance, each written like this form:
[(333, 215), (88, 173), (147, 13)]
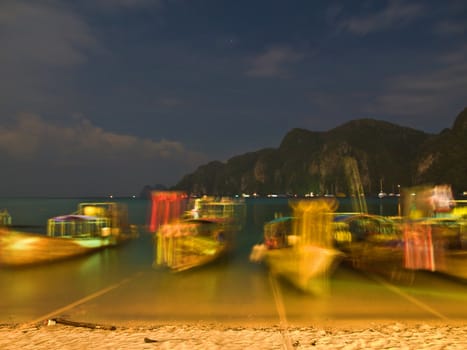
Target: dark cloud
[(396, 13), (83, 151), (122, 93), (38, 33), (128, 3), (421, 96), (450, 27), (41, 45), (273, 62)]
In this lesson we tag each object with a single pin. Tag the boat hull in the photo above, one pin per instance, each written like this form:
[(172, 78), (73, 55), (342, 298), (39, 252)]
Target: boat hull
[(187, 257), (307, 267), (21, 248), (193, 243)]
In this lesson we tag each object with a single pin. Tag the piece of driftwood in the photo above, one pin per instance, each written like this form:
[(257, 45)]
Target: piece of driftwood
[(149, 340), (83, 324)]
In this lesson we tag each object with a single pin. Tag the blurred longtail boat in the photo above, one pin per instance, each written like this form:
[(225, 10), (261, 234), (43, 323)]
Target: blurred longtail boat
[(191, 243), (94, 226), (372, 243), (199, 235), (5, 218), (428, 236), (435, 234), (300, 248)]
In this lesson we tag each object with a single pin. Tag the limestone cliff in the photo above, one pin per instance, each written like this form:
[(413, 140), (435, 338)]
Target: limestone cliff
[(307, 161)]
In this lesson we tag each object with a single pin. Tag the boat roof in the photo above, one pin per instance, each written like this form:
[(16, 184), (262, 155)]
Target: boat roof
[(75, 217), (204, 221), (343, 217), (281, 219)]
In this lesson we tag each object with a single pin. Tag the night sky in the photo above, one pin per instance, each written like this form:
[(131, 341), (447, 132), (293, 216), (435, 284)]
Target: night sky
[(101, 97)]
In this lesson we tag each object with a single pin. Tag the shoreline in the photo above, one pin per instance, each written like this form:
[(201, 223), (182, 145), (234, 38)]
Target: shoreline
[(328, 334)]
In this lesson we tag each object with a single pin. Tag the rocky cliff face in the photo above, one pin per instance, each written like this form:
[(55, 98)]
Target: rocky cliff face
[(443, 159), (307, 161)]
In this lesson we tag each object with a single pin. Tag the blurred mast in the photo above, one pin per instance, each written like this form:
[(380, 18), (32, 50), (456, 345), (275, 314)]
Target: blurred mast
[(356, 193)]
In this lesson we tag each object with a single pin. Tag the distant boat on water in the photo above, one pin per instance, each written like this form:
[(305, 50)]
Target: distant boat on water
[(381, 193), (94, 226)]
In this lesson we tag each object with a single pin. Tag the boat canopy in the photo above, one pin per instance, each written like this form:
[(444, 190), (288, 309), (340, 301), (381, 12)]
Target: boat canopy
[(78, 226), (5, 217), (74, 217)]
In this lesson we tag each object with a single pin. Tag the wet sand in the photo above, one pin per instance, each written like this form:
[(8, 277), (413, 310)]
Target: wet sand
[(325, 335)]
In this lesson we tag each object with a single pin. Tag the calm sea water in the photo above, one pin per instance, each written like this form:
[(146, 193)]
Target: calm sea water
[(32, 292), (35, 212)]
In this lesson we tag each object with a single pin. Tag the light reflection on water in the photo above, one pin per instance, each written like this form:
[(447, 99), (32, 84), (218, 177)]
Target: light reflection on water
[(231, 289)]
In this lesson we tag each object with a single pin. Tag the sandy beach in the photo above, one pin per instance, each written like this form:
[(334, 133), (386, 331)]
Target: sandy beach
[(326, 335)]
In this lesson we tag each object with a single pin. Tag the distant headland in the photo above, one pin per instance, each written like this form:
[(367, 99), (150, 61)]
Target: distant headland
[(387, 157)]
